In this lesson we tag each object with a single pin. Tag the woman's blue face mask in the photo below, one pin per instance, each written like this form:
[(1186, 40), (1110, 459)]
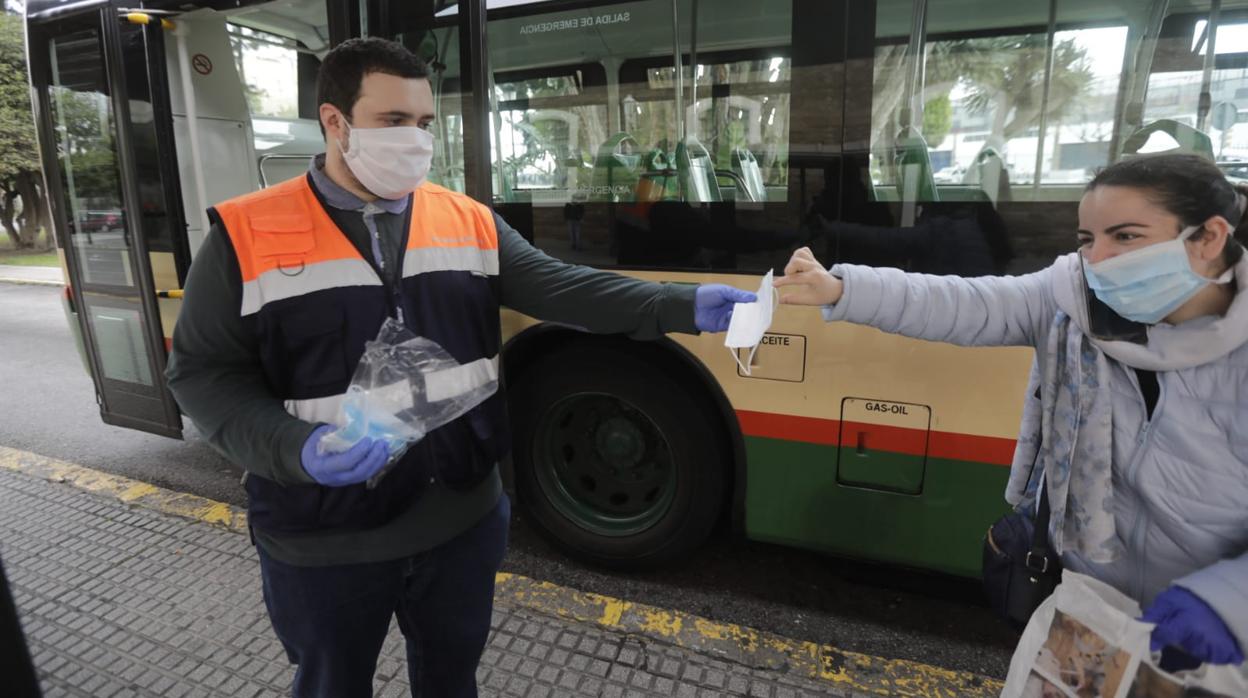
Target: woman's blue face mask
[(1147, 284)]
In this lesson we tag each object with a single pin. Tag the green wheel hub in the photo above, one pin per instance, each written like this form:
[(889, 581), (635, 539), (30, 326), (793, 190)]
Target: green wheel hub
[(604, 464)]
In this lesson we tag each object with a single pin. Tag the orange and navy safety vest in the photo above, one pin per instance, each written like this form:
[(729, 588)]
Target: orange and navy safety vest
[(313, 301)]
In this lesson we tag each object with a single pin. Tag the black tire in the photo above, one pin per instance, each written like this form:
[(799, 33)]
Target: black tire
[(548, 402)]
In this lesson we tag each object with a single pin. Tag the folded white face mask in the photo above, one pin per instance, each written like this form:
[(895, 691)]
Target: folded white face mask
[(750, 322)]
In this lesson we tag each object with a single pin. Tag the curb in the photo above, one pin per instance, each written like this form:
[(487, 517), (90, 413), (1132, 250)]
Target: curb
[(746, 646), (725, 641), (30, 282), (125, 489)]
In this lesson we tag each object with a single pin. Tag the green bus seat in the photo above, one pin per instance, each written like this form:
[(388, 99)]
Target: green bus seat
[(1189, 139), (745, 166), (696, 172), (617, 168), (913, 163), (988, 170)]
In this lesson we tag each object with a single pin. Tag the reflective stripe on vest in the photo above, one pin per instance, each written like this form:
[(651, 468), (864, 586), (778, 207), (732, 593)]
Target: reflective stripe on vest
[(287, 244), (442, 385)]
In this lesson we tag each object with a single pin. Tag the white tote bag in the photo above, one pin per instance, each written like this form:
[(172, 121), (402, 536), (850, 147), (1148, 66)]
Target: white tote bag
[(1085, 641)]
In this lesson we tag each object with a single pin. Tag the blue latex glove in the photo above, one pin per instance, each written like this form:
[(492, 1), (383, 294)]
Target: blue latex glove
[(356, 464), (1185, 621), (712, 309)]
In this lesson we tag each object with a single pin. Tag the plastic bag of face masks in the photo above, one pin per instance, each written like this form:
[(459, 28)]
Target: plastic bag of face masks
[(403, 388)]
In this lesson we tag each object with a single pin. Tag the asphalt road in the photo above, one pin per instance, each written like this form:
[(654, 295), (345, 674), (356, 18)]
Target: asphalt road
[(49, 408)]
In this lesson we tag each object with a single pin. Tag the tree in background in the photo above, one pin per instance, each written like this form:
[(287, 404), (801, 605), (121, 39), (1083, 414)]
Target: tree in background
[(549, 130), (1000, 78), (23, 205), (1006, 79), (278, 62), (937, 120)]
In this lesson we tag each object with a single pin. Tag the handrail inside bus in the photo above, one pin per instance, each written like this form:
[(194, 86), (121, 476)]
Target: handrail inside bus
[(738, 181), (264, 181), (145, 17), (680, 73), (912, 106), (1205, 103), (1139, 69), (691, 126), (1050, 37)]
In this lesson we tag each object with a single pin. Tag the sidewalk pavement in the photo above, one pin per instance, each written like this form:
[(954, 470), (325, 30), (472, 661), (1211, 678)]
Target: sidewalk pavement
[(128, 590), (50, 276)]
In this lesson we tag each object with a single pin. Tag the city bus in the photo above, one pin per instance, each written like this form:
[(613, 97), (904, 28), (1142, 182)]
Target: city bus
[(687, 141)]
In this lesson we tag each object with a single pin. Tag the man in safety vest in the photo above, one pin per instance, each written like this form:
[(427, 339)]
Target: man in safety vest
[(289, 284)]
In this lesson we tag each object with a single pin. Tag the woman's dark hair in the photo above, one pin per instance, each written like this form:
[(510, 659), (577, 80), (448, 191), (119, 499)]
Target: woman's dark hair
[(343, 70), (1189, 187)]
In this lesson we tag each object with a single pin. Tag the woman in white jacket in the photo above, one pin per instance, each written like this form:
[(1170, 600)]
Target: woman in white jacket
[(1141, 422)]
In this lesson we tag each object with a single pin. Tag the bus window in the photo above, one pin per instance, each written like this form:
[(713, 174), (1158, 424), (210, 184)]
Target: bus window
[(1200, 93), (742, 107), (1079, 134), (986, 92), (276, 49), (268, 68), (608, 153), (431, 31), (548, 126), (83, 122), (980, 110)]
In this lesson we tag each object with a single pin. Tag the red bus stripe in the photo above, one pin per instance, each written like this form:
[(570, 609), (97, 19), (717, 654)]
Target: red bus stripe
[(827, 432)]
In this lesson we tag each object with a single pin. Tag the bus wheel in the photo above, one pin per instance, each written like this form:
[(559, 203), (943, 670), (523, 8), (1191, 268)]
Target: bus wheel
[(616, 462)]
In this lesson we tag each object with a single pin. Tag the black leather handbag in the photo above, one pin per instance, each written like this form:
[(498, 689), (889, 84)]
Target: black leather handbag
[(1020, 567)]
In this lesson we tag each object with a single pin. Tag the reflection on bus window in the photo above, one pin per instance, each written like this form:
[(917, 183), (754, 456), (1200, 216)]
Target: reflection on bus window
[(268, 67), (438, 47), (548, 128), (1178, 80), (740, 117), (984, 99), (984, 114), (277, 48), (84, 129), (605, 152)]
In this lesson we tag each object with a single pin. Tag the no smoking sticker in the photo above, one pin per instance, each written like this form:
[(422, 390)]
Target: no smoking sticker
[(201, 63)]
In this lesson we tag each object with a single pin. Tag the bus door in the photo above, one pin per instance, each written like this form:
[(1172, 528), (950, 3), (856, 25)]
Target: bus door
[(107, 153)]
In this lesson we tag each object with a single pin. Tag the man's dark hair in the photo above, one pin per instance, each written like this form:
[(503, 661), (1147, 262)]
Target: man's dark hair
[(343, 69)]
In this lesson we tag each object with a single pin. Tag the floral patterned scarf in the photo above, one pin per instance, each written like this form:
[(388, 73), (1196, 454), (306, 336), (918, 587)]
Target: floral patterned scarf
[(1067, 432)]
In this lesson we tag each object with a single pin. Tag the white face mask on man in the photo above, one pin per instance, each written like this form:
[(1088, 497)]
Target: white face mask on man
[(750, 322), (390, 162)]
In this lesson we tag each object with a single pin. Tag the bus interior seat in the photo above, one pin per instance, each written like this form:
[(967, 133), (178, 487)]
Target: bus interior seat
[(617, 166), (657, 181), (991, 174), (1187, 139), (913, 163), (696, 172), (285, 147), (745, 165)]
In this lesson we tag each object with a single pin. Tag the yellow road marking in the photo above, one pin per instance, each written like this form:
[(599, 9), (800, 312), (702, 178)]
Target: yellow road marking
[(735, 643), (125, 489), (746, 646)]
